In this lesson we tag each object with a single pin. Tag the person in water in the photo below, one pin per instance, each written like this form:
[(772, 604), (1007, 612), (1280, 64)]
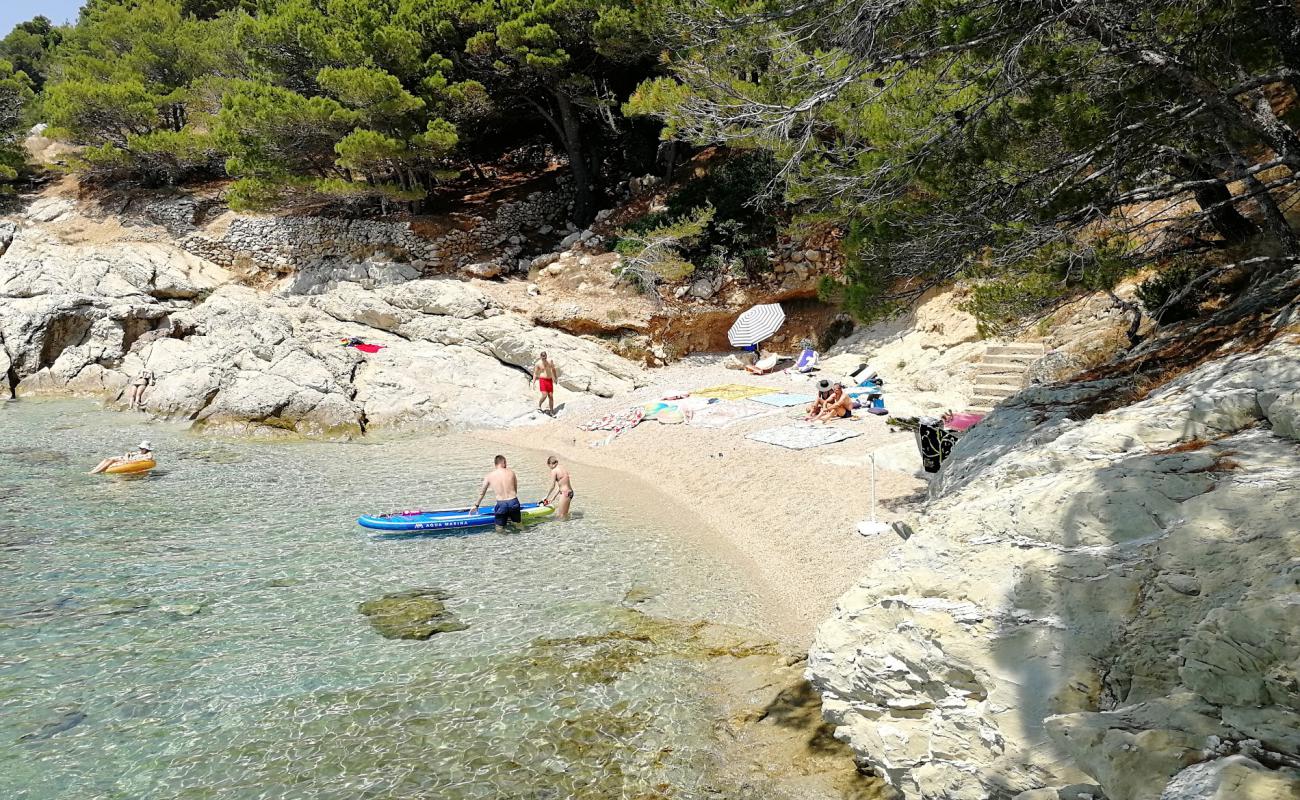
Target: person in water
[(561, 488), (544, 375), (142, 452), (505, 487), (138, 386)]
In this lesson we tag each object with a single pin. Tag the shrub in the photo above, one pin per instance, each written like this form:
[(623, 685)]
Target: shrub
[(1156, 291)]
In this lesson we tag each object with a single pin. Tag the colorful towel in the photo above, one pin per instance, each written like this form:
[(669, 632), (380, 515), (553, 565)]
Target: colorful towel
[(783, 400), (615, 423), (732, 391), (724, 415), (802, 437)]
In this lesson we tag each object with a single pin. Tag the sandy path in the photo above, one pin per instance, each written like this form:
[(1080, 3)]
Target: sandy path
[(783, 518)]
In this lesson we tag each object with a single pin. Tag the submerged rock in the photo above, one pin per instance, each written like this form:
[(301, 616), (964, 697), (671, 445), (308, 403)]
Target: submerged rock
[(66, 722), (412, 614)]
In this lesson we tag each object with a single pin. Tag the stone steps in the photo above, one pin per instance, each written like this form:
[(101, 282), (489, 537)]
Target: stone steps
[(1001, 372)]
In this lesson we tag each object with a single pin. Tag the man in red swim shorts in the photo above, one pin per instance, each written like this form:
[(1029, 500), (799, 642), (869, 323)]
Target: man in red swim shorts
[(544, 374)]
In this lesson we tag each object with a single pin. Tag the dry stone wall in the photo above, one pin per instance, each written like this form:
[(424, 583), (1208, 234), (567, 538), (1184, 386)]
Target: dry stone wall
[(315, 253)]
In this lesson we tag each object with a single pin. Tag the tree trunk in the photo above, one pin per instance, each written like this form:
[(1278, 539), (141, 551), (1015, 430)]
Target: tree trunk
[(583, 187), (1227, 221), (1275, 221)]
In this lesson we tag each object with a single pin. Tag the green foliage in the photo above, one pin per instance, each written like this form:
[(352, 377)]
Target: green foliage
[(1158, 290), (745, 212), (980, 138), (653, 252), (1007, 294), (349, 98), (28, 47), (15, 96)]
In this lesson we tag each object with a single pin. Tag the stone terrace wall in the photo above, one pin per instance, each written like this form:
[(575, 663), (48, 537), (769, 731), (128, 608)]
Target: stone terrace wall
[(320, 251)]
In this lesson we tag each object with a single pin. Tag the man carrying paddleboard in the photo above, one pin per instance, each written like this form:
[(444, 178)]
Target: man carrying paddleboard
[(505, 486)]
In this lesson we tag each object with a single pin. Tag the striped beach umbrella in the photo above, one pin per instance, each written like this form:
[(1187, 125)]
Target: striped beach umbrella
[(756, 324)]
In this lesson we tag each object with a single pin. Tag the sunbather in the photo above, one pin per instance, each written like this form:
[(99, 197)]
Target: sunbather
[(807, 361), (763, 365), (832, 402)]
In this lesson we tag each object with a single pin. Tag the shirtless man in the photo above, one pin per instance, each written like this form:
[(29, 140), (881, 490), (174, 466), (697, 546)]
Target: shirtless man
[(838, 406), (832, 402), (505, 486), (561, 487), (544, 374)]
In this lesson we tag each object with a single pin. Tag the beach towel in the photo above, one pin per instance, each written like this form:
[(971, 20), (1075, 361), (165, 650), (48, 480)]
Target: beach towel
[(962, 420), (688, 404), (361, 345), (724, 414), (732, 391), (615, 423), (783, 400), (802, 437)]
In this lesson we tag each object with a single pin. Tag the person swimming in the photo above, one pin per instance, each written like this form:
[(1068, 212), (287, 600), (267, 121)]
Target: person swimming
[(142, 452)]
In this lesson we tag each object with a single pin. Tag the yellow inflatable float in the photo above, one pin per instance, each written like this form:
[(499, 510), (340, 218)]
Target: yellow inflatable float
[(130, 467)]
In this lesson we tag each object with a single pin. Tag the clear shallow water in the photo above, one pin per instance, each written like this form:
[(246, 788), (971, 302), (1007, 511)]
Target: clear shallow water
[(194, 633)]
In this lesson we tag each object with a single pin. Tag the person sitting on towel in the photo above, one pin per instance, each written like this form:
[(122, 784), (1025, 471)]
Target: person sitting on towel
[(832, 402)]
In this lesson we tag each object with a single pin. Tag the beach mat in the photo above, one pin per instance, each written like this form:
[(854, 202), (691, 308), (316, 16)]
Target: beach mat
[(783, 400), (802, 437), (724, 414), (732, 391)]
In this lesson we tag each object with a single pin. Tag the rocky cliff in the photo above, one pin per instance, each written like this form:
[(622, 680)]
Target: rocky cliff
[(1094, 604), (240, 320)]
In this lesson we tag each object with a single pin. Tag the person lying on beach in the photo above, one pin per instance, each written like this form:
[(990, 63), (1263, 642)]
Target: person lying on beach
[(505, 487), (763, 365), (561, 488), (142, 452)]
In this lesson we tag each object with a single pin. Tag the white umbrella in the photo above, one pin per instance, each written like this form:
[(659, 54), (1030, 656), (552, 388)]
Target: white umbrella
[(756, 324)]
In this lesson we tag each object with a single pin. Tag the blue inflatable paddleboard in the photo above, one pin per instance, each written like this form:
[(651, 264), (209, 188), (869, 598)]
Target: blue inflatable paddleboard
[(446, 519)]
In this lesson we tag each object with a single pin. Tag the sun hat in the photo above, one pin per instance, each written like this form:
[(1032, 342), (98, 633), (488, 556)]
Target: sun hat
[(144, 445), (823, 385)]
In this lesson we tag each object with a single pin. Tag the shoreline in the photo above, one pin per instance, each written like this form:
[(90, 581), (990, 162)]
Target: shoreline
[(785, 520)]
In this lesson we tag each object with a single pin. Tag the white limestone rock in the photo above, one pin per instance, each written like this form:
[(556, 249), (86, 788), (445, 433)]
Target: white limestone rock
[(1093, 600)]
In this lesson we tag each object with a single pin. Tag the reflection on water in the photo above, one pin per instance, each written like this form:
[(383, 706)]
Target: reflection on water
[(194, 632)]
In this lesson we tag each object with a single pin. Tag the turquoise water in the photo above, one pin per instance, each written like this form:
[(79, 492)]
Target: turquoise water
[(194, 633)]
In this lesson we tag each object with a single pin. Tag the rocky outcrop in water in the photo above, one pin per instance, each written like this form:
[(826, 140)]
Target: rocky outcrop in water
[(412, 614), (89, 305), (1092, 598)]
